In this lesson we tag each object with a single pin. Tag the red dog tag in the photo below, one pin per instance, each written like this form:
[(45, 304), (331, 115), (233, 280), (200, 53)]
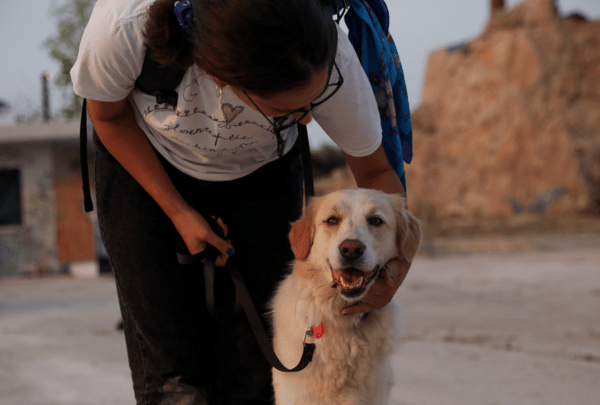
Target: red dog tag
[(318, 330)]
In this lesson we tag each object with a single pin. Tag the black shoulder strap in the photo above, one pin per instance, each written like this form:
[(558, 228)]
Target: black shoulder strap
[(309, 186), (85, 177), (160, 80)]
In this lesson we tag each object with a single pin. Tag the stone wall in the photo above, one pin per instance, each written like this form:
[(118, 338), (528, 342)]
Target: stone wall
[(30, 247)]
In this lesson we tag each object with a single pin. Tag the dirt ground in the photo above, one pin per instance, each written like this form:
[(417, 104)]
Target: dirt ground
[(488, 321)]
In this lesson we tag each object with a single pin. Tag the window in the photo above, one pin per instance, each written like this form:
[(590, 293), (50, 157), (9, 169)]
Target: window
[(10, 197)]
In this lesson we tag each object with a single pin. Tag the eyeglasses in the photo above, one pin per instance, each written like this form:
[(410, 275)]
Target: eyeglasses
[(287, 121)]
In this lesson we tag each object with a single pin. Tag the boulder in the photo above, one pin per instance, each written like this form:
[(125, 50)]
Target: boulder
[(509, 116)]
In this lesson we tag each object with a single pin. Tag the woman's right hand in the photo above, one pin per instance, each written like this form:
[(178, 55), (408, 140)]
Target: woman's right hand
[(197, 234)]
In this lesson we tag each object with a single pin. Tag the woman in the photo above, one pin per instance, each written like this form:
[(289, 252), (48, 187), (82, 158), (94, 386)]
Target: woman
[(227, 149)]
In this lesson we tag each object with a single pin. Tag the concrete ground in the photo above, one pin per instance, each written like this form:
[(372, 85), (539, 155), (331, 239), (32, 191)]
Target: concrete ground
[(488, 321)]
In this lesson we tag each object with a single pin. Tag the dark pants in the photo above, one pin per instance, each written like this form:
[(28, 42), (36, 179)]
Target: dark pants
[(177, 354)]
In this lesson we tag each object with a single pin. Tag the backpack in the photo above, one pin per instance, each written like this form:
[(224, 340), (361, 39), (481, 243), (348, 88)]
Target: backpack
[(368, 25)]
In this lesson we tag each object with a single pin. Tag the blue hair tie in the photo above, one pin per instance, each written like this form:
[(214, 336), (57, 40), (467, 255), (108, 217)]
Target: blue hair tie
[(185, 14)]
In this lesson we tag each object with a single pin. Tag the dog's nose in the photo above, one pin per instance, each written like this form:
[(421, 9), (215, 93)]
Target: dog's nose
[(351, 249)]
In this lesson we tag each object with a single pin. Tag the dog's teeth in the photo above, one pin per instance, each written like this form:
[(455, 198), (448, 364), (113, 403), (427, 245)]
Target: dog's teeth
[(351, 287)]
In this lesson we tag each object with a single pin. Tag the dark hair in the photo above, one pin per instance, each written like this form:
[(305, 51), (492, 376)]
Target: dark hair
[(261, 46), (165, 37)]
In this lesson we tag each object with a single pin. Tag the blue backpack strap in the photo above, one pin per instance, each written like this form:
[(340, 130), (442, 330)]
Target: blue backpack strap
[(368, 25)]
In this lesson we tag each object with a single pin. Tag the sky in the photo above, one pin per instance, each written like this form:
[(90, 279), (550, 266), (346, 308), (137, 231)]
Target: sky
[(417, 26)]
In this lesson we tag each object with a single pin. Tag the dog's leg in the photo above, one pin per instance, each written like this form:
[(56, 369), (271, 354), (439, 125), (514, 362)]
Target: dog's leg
[(383, 382), (290, 390)]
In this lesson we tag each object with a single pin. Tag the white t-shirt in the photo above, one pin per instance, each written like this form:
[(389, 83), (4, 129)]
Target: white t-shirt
[(207, 136)]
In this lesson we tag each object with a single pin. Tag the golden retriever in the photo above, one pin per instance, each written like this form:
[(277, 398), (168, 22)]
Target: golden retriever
[(341, 246)]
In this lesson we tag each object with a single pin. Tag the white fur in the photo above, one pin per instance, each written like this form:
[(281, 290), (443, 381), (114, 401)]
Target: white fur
[(351, 364)]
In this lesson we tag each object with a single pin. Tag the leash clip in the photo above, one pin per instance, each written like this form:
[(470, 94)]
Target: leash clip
[(308, 333)]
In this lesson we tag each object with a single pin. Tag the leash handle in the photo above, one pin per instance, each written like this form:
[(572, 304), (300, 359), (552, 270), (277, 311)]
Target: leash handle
[(183, 254), (209, 257), (243, 297)]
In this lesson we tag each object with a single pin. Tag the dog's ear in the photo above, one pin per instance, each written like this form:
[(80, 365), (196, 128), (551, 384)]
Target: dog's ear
[(411, 237), (409, 232), (303, 232)]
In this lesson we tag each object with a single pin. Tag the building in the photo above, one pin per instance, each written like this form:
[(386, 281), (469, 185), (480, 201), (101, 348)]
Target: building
[(43, 225)]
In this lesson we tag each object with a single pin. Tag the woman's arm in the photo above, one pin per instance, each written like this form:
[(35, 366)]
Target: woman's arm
[(375, 172), (119, 132)]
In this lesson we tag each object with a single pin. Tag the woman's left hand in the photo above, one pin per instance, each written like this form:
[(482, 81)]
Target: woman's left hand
[(383, 290)]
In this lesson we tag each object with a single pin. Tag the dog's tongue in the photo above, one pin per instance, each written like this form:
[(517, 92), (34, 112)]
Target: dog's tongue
[(351, 276), (336, 278)]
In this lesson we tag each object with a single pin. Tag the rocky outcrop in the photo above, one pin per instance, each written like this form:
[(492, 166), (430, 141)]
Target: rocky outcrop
[(510, 115)]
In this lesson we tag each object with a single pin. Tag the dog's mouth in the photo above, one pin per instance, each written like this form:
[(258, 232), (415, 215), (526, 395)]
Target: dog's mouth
[(351, 281)]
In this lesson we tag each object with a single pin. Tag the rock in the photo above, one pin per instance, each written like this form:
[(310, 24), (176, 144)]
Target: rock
[(508, 115)]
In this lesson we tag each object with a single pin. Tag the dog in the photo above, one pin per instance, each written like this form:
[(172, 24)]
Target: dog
[(342, 246)]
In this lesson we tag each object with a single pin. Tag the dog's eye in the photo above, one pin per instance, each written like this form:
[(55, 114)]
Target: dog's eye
[(332, 220), (375, 221)]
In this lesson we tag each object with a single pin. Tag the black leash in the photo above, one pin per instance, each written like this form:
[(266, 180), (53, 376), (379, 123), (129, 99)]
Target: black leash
[(243, 297)]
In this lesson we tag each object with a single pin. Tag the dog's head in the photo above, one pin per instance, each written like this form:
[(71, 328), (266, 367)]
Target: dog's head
[(348, 237)]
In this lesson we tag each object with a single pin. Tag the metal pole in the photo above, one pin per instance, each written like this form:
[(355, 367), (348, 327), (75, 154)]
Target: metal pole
[(46, 77)]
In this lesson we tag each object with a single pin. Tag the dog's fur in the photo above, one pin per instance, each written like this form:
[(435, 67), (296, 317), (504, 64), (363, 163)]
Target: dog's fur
[(341, 246)]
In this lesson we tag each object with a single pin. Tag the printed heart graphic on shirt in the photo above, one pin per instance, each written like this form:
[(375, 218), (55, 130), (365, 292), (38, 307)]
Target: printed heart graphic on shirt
[(231, 112)]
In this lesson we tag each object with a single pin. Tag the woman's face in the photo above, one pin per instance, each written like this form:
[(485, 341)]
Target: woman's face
[(286, 102)]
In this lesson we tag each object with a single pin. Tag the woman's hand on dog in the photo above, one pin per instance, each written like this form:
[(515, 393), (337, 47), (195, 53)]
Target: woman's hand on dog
[(382, 292), (197, 234)]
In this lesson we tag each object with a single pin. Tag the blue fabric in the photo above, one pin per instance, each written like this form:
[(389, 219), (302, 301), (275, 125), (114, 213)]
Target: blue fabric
[(368, 25)]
